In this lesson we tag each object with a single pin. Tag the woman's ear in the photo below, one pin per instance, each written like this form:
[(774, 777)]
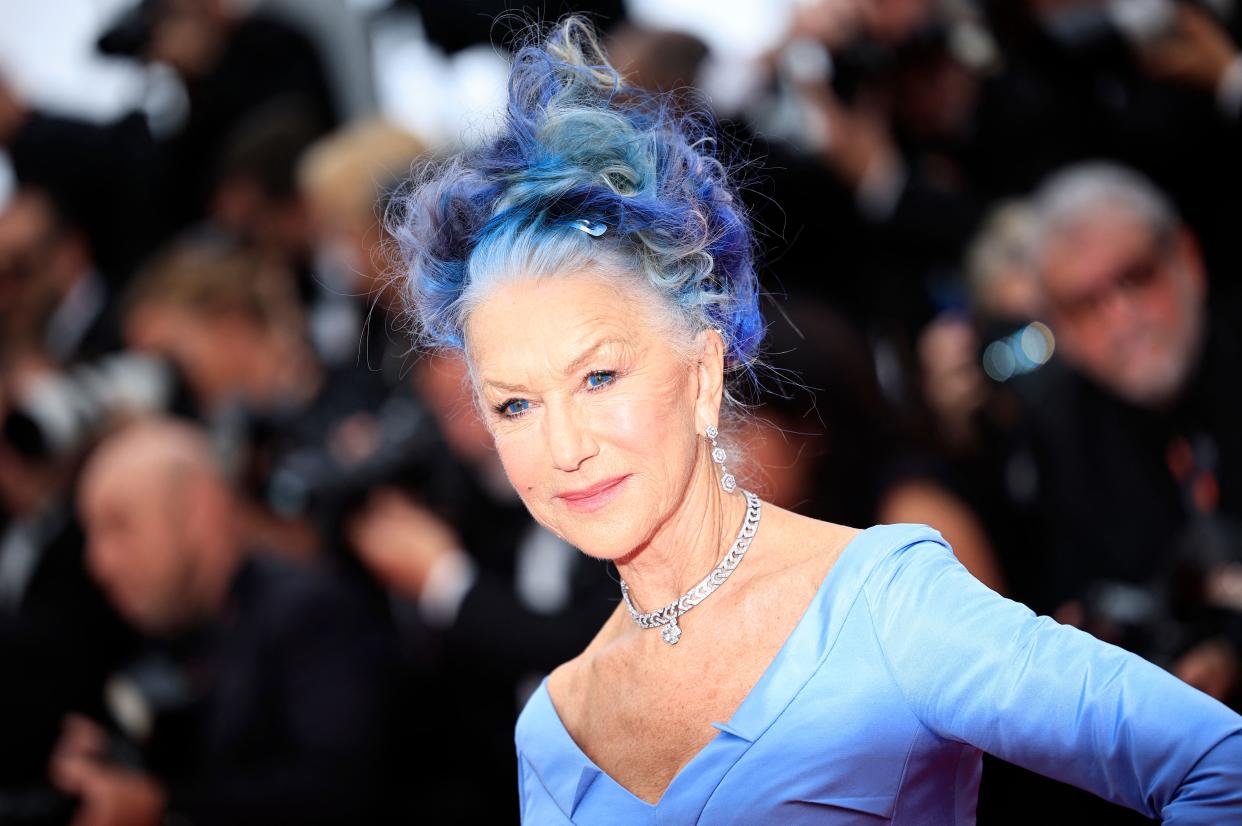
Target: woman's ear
[(709, 372)]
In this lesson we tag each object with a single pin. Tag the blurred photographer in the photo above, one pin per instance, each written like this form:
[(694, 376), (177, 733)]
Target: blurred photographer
[(59, 637), (1121, 477), (54, 301), (1136, 443), (139, 180), (923, 124), (229, 324), (278, 703)]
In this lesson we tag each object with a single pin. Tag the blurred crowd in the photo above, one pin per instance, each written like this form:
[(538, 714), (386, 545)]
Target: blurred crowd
[(258, 560)]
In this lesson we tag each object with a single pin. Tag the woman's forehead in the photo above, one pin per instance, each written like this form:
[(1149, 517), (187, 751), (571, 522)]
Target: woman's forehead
[(540, 325)]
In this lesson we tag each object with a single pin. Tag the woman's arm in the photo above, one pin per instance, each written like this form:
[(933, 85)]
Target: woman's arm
[(982, 669)]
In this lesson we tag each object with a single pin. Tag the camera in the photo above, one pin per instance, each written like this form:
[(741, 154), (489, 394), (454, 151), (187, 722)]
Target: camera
[(61, 412), (315, 478), (1162, 619)]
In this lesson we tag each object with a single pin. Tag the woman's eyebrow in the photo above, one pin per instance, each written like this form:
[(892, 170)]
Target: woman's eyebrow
[(588, 354), (571, 368), (508, 388)]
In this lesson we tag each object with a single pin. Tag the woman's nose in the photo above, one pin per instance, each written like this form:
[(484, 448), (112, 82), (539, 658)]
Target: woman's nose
[(569, 440)]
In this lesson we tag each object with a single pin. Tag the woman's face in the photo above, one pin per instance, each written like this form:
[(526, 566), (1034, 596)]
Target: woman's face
[(595, 413)]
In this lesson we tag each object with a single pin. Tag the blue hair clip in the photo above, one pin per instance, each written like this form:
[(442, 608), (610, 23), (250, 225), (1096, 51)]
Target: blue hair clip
[(592, 228)]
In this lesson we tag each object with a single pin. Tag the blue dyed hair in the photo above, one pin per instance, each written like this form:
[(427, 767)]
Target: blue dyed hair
[(578, 144)]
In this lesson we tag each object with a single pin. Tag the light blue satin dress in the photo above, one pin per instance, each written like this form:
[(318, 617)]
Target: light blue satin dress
[(877, 707)]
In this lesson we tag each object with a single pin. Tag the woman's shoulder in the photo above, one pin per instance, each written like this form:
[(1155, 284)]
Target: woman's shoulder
[(789, 540), (545, 722), (826, 545), (843, 563), (878, 556), (893, 542), (567, 680)]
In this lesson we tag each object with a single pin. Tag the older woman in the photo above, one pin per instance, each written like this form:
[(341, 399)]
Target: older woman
[(761, 667)]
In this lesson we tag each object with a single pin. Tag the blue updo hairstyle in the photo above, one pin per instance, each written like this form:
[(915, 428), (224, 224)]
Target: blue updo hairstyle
[(578, 144)]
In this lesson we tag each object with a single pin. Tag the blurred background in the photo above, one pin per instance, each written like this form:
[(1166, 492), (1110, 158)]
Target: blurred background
[(258, 561)]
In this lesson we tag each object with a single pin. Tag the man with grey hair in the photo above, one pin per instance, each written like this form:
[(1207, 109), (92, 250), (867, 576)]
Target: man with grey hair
[(1123, 281), (1137, 453)]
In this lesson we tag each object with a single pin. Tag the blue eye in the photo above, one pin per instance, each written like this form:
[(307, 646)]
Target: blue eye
[(599, 378), (513, 407)]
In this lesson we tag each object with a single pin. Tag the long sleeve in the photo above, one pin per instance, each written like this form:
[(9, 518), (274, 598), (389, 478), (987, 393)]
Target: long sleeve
[(981, 669)]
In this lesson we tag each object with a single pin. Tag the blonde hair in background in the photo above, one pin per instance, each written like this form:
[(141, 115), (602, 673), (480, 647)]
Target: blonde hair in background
[(351, 169)]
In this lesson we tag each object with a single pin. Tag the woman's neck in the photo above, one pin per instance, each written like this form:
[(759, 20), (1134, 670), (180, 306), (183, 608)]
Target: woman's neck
[(689, 544)]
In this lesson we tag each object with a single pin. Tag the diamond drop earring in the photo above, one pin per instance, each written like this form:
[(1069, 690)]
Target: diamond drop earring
[(727, 480)]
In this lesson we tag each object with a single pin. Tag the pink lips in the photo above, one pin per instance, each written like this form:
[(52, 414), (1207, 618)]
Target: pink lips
[(594, 497)]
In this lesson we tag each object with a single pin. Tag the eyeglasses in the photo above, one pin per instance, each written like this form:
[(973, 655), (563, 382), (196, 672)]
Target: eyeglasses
[(1129, 281)]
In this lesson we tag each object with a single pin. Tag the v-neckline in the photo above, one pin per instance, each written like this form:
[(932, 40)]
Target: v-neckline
[(731, 727)]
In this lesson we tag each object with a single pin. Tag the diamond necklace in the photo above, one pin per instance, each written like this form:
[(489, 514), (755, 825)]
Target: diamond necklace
[(667, 616)]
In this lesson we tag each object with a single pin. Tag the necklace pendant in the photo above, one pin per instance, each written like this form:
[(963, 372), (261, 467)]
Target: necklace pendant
[(671, 632)]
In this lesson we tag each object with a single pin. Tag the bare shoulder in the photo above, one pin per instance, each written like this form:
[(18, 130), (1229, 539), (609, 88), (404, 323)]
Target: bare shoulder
[(566, 682), (562, 684), (800, 542)]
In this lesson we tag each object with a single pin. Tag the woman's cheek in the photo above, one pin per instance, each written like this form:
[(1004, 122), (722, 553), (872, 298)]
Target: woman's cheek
[(619, 421), (644, 432), (518, 458), (525, 462)]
